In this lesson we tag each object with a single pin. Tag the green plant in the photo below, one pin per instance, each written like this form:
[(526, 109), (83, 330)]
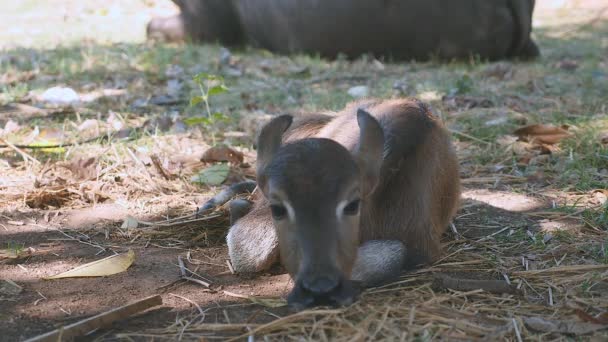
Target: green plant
[(209, 86), (15, 248)]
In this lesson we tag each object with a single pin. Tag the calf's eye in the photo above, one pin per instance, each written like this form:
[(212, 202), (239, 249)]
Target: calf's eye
[(352, 208), (278, 211)]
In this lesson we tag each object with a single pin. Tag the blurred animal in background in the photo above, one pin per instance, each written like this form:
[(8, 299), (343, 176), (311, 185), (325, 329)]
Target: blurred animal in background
[(398, 29)]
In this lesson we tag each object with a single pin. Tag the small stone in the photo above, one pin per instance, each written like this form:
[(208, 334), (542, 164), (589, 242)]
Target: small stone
[(497, 121), (225, 56), (232, 72), (140, 103), (60, 96), (174, 71), (174, 87), (378, 65), (358, 91), (400, 86)]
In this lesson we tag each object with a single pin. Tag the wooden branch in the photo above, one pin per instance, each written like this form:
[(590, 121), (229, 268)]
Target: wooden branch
[(494, 286), (99, 321)]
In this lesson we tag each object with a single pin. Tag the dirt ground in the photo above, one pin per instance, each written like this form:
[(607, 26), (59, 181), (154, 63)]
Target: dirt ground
[(533, 215)]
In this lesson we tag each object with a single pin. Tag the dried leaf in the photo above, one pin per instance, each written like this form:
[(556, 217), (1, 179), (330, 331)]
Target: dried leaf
[(567, 64), (47, 197), (600, 319), (562, 327), (11, 127), (604, 138), (82, 168), (213, 175), (160, 168), (111, 265), (544, 134), (222, 153), (89, 124)]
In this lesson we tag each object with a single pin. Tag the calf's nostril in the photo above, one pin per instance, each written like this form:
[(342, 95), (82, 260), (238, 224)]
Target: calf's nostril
[(321, 285)]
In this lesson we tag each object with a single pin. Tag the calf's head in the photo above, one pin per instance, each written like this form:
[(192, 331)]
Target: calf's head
[(316, 188)]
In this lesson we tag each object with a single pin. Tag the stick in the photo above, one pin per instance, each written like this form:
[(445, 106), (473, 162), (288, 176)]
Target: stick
[(23, 154), (470, 137), (99, 321), (493, 286)]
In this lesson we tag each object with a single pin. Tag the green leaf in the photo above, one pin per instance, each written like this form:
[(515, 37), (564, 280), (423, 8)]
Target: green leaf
[(464, 84), (48, 143), (218, 89), (217, 117), (213, 175), (198, 78), (197, 120), (196, 100)]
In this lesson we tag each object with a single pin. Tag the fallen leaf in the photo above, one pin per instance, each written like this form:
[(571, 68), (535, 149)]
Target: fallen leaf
[(82, 168), (100, 268), (160, 168), (541, 133), (604, 138), (221, 153), (599, 319), (11, 127), (567, 64), (47, 197), (562, 327), (213, 175), (88, 124)]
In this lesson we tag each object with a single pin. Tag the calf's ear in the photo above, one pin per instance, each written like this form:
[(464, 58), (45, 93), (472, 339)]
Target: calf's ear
[(269, 142), (369, 153)]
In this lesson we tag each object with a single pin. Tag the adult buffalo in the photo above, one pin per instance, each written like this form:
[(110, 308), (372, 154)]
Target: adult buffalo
[(401, 29)]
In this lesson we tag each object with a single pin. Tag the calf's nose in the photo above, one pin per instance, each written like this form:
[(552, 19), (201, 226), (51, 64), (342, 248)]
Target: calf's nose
[(320, 285)]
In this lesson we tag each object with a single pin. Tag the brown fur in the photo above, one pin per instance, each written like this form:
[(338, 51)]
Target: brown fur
[(412, 199)]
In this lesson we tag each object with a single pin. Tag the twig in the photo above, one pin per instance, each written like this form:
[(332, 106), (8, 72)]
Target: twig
[(491, 235), (517, 333), (159, 167), (283, 320), (470, 137), (200, 310), (493, 286), (99, 321), (23, 154)]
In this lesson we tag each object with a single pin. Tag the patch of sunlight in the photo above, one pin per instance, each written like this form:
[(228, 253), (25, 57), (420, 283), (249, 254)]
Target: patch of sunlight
[(34, 272), (505, 200), (430, 96)]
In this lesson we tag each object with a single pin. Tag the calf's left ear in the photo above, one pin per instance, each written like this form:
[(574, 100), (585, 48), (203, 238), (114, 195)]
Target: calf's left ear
[(369, 153), (269, 142)]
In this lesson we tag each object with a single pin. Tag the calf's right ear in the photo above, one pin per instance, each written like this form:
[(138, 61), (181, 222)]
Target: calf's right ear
[(269, 142)]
